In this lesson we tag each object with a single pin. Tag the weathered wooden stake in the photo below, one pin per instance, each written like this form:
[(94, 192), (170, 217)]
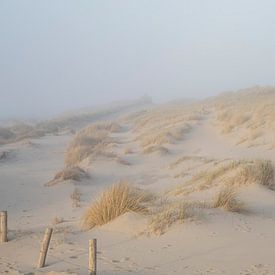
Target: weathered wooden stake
[(92, 256), (44, 247), (3, 226)]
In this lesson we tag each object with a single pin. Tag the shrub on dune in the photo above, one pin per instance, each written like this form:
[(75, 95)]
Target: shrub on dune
[(113, 202)]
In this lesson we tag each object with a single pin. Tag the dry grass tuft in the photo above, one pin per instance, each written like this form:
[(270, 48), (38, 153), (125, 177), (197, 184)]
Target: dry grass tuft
[(247, 115), (227, 199), (233, 173), (73, 173), (92, 141), (156, 149), (158, 137), (258, 171), (167, 124), (209, 177), (168, 215), (199, 159), (113, 202)]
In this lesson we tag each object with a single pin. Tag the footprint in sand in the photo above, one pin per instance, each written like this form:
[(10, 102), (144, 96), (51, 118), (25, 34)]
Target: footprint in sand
[(152, 267), (258, 269), (243, 226)]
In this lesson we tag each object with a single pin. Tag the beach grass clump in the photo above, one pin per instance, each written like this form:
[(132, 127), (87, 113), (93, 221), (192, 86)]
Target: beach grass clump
[(91, 141), (227, 199), (257, 171), (114, 202), (167, 215)]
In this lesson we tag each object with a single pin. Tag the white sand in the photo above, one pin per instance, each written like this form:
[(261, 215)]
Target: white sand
[(218, 242)]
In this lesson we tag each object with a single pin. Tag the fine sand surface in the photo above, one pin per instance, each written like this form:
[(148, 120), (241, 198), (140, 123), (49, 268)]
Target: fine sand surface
[(213, 241)]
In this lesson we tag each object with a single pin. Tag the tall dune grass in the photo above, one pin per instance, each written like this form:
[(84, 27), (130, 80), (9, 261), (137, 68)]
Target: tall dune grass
[(113, 202)]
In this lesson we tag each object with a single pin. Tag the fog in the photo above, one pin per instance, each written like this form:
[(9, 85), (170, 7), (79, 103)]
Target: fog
[(57, 55)]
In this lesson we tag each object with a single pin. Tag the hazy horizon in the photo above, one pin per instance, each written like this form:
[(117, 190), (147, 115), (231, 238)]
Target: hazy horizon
[(62, 55)]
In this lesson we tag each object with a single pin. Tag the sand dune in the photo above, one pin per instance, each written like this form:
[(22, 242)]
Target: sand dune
[(199, 197)]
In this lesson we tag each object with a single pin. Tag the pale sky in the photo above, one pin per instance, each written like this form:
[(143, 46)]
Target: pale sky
[(63, 54)]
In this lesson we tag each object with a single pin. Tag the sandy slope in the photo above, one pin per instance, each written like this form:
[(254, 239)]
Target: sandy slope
[(213, 243)]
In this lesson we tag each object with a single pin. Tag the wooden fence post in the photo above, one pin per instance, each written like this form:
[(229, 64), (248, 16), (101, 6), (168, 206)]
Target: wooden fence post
[(92, 256), (3, 226), (44, 247)]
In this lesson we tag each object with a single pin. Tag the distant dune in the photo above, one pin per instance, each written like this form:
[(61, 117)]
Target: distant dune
[(13, 131)]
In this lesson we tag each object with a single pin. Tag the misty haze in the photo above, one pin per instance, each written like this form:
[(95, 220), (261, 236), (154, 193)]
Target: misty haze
[(137, 137)]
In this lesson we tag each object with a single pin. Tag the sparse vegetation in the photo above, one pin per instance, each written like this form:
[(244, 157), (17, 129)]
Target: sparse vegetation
[(22, 131), (57, 220), (71, 173), (163, 136), (227, 199), (247, 116), (166, 216), (76, 197), (234, 173), (92, 141), (165, 125), (156, 149), (258, 171), (199, 159)]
